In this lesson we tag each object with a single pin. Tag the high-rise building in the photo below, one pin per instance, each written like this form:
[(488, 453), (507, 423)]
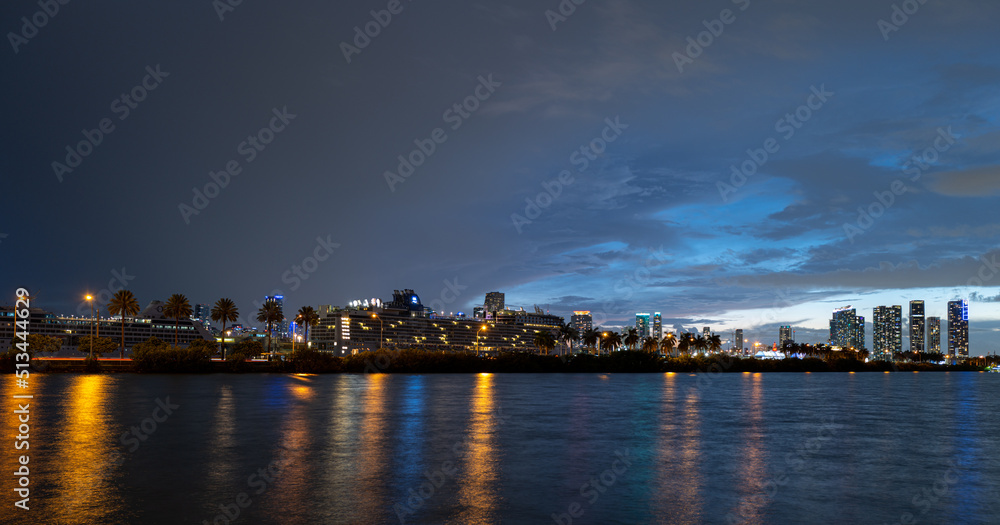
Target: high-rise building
[(706, 332), (280, 328), (917, 327), (958, 328), (847, 329), (739, 340), (201, 312), (657, 326), (784, 336), (478, 312), (934, 335), (582, 321), (642, 324), (324, 309), (887, 327), (494, 302)]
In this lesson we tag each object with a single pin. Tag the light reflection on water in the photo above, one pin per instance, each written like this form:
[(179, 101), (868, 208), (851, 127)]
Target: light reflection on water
[(354, 448), (477, 486)]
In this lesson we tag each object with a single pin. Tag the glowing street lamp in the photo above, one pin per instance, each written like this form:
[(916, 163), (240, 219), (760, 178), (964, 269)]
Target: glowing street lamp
[(90, 299)]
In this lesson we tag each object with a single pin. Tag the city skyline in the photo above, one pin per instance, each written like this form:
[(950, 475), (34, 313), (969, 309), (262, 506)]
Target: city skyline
[(806, 159)]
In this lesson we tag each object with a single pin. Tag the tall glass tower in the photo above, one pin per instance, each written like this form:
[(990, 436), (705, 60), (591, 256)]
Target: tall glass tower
[(917, 327)]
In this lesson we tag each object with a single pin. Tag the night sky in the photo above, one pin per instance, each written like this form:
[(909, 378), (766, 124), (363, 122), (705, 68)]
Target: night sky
[(622, 134)]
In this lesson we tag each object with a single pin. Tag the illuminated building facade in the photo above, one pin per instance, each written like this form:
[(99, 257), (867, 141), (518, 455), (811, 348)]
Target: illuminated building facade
[(149, 323), (958, 328), (738, 343), (402, 324), (934, 335), (280, 328), (657, 326), (887, 328), (847, 329), (582, 321), (495, 302), (642, 324), (784, 336), (918, 336)]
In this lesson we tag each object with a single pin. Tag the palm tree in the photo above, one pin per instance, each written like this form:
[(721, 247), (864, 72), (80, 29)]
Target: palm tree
[(612, 340), (177, 306), (701, 343), (631, 338), (685, 344), (714, 343), (650, 344), (568, 334), (591, 338), (224, 310), (668, 343), (544, 341), (270, 313), (308, 317), (123, 303)]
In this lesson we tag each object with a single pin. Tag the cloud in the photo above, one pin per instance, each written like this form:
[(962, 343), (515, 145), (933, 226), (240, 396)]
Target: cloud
[(974, 182)]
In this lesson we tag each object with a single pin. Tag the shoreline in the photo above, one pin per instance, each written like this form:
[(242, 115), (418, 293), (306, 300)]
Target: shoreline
[(422, 362)]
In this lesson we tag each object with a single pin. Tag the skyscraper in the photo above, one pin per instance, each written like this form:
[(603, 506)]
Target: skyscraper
[(582, 321), (847, 329), (707, 332), (657, 326), (642, 324), (958, 328), (280, 329), (784, 336), (934, 335), (739, 340), (917, 327), (494, 302), (888, 331)]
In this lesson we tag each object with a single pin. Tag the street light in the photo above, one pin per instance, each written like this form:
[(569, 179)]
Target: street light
[(481, 328), (381, 332), (90, 299), (603, 336)]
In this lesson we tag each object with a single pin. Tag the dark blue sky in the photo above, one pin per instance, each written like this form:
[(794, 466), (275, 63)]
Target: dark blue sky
[(644, 127)]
